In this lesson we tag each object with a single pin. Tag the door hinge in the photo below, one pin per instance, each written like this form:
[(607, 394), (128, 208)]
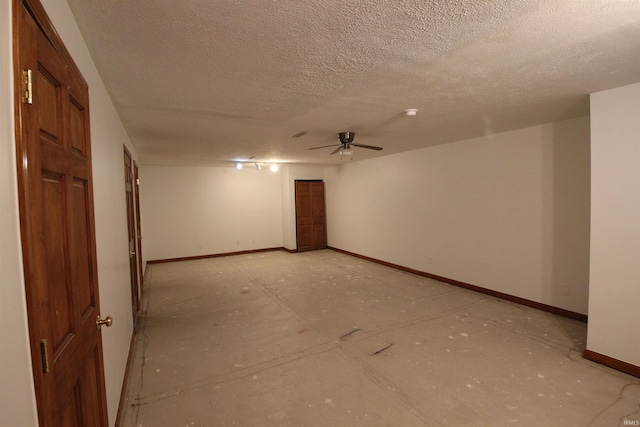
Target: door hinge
[(44, 353), (27, 83)]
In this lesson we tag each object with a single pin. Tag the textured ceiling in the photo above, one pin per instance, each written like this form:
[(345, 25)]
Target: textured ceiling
[(205, 81)]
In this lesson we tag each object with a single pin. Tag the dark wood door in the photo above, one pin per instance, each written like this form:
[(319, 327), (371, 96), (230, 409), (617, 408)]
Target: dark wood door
[(131, 230), (311, 225), (136, 186), (57, 225)]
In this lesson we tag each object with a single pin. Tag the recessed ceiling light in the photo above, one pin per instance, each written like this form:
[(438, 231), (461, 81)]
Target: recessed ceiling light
[(410, 112), (238, 165)]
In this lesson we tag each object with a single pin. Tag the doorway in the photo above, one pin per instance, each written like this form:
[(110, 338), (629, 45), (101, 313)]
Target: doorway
[(136, 186), (311, 225), (57, 226), (131, 231)]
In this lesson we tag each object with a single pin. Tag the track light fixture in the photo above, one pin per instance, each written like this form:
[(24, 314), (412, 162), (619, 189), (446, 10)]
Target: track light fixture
[(272, 166)]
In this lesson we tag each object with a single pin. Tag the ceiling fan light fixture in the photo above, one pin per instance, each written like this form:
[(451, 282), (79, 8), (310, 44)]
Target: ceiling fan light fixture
[(346, 137), (346, 144)]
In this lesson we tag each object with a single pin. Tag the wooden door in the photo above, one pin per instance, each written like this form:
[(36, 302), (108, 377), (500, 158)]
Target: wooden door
[(136, 185), (131, 230), (57, 225), (311, 228)]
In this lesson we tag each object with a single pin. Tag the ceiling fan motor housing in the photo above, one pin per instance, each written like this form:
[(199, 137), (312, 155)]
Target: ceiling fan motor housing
[(346, 137)]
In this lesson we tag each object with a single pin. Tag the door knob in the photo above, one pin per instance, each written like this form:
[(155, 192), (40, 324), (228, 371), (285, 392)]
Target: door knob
[(106, 322)]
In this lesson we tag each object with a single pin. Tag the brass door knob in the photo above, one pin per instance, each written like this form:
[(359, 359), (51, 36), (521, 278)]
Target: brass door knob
[(106, 322)]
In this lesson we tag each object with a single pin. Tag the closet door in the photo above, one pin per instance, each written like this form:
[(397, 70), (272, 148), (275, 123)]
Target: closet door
[(311, 225)]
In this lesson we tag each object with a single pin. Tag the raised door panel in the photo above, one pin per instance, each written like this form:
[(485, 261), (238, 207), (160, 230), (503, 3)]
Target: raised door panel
[(54, 258), (89, 384), (319, 239), (77, 131), (71, 411), (81, 267), (319, 236), (49, 98), (303, 216)]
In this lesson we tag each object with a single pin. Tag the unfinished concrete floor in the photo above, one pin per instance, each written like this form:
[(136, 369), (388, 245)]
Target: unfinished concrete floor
[(326, 339)]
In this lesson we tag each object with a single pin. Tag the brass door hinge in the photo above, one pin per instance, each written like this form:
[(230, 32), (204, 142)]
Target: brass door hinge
[(44, 353), (27, 87)]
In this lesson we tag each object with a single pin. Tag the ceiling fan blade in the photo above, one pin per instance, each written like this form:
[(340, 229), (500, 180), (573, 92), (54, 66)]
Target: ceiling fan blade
[(336, 150), (370, 147), (325, 146)]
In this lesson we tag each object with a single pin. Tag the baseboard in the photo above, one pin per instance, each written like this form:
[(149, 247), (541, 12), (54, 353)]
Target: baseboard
[(610, 362), (534, 304), (125, 381), (191, 258)]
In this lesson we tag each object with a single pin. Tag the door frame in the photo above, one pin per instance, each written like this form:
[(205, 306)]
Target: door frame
[(295, 201)]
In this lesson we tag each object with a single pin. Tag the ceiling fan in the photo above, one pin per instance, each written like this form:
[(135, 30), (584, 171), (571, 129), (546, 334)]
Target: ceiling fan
[(346, 142)]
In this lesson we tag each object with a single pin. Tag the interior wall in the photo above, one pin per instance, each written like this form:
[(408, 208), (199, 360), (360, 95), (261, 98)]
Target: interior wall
[(17, 396), (614, 317), (191, 211), (107, 137), (507, 212), (289, 177)]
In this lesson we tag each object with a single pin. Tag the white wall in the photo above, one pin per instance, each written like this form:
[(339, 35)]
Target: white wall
[(614, 301), (507, 212), (191, 211), (107, 137)]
